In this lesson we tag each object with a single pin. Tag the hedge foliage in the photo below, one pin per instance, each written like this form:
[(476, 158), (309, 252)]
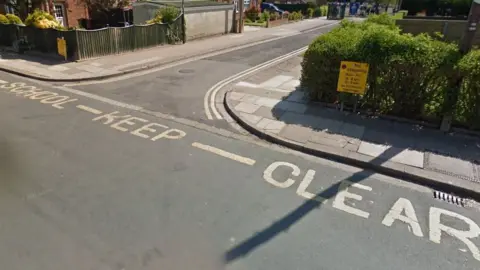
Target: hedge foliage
[(10, 19), (468, 106), (409, 76)]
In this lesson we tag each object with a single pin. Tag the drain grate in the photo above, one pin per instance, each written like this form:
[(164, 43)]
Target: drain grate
[(449, 198)]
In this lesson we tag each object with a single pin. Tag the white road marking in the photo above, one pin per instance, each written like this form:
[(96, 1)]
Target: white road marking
[(89, 109), (436, 228), (2, 81), (409, 218), (252, 85), (343, 194), (212, 92), (100, 98), (223, 153), (195, 58), (267, 174), (276, 81)]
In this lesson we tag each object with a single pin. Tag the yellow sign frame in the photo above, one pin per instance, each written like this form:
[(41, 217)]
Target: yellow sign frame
[(62, 47), (352, 77)]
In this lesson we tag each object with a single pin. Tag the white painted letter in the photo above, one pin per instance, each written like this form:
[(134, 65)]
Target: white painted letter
[(12, 85), (109, 118), (302, 188), (343, 193), (177, 134), (57, 104), (127, 121), (22, 89), (267, 174), (410, 217), (42, 95), (138, 132), (436, 228)]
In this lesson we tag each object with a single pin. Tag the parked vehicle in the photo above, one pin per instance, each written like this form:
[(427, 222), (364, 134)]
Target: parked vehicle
[(270, 7)]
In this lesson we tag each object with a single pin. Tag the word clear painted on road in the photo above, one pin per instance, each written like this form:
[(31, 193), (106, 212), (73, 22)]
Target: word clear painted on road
[(31, 92), (352, 77), (138, 126), (402, 210)]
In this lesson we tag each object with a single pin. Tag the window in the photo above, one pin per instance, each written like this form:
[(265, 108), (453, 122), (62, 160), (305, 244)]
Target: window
[(58, 9)]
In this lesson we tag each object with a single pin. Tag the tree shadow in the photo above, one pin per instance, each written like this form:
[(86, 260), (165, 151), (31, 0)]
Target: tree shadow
[(33, 56), (399, 133), (283, 224)]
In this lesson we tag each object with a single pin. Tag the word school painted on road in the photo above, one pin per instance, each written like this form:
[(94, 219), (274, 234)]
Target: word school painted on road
[(31, 92), (401, 211), (124, 123)]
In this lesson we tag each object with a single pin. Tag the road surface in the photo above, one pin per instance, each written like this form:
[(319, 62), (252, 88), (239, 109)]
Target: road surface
[(104, 178)]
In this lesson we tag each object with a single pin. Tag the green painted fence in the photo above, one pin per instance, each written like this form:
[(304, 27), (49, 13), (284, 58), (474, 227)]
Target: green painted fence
[(85, 44)]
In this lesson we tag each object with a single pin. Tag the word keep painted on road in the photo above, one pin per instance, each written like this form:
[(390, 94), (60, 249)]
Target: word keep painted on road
[(352, 77), (135, 125), (401, 211), (139, 127)]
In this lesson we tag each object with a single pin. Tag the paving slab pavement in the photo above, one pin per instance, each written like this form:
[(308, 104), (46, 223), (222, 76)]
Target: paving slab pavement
[(275, 107), (53, 69)]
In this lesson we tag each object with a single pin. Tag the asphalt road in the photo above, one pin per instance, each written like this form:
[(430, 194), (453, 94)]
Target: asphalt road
[(180, 90), (84, 186)]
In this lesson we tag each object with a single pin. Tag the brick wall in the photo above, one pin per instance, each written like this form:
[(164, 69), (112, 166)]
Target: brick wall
[(453, 29), (74, 11)]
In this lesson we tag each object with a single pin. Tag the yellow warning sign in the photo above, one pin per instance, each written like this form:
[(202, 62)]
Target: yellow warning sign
[(353, 77), (62, 47)]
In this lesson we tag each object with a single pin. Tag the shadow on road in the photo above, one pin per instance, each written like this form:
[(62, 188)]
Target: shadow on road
[(283, 224)]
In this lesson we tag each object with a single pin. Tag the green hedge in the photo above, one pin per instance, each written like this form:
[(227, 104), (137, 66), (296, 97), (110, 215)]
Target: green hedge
[(468, 105), (409, 76)]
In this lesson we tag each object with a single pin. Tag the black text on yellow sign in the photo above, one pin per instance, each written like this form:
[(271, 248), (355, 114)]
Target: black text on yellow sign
[(352, 77)]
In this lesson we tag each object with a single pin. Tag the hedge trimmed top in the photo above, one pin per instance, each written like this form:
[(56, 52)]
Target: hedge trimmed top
[(410, 76)]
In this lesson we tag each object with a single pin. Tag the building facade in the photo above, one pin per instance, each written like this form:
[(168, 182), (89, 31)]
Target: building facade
[(69, 13)]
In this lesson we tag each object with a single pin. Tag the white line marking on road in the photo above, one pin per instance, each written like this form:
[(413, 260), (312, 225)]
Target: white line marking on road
[(223, 153), (89, 109), (2, 81), (276, 81), (212, 92), (252, 85), (100, 98)]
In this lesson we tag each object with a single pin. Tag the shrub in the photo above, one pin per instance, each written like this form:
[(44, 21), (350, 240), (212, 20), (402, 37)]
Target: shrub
[(265, 16), (310, 12), (408, 76), (382, 19), (324, 10), (41, 19), (166, 14), (468, 107), (247, 20), (3, 19), (252, 13), (13, 19), (317, 12), (274, 16), (295, 16), (169, 14)]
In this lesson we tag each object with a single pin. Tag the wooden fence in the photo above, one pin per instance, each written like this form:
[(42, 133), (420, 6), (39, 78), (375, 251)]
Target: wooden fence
[(85, 44)]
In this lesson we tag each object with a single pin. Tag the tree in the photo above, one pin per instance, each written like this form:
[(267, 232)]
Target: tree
[(104, 5), (22, 7)]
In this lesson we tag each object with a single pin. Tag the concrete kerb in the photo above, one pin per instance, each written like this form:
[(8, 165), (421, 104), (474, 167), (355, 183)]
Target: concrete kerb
[(433, 180), (158, 64)]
